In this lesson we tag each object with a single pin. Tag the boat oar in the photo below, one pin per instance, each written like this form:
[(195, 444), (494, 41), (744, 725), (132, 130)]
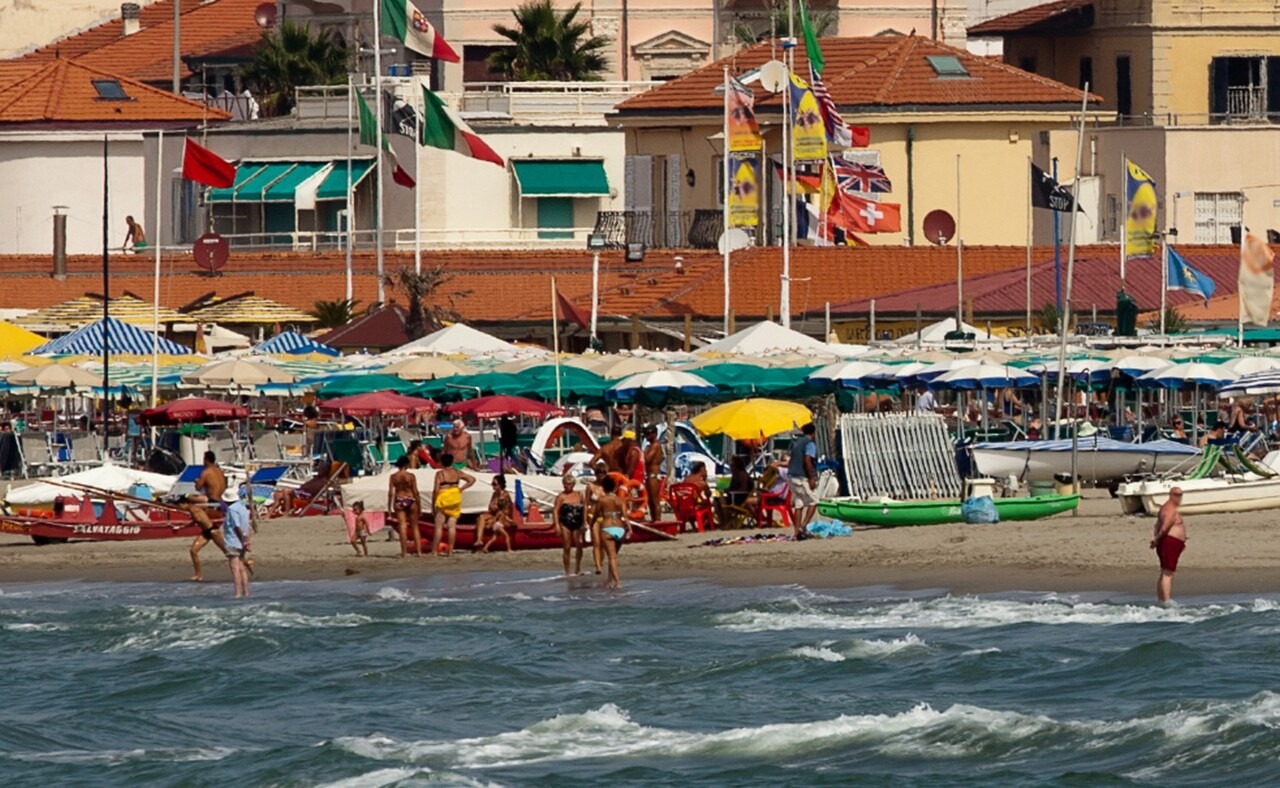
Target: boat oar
[(117, 495), (654, 531)]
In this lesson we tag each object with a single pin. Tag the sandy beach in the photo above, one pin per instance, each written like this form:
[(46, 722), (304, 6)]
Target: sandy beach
[(1098, 550)]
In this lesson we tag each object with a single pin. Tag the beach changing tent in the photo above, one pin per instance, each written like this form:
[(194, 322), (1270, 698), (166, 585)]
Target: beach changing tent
[(293, 343), (120, 338)]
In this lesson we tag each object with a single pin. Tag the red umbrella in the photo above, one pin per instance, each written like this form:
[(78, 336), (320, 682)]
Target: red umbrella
[(192, 409), (379, 402), (503, 405)]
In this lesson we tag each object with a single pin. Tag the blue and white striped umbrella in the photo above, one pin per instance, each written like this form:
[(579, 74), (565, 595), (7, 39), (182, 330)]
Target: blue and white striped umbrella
[(293, 343), (1137, 365), (1185, 376), (1255, 383), (120, 338), (660, 384), (984, 376), (850, 374)]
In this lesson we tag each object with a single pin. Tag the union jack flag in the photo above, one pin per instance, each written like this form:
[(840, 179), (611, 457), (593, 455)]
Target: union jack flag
[(838, 131), (860, 178)]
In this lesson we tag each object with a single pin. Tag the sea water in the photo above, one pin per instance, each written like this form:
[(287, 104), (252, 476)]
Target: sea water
[(517, 679)]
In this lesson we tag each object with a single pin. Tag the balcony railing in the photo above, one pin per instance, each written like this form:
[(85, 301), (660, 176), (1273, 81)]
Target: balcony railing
[(698, 229), (579, 103), (1247, 103)]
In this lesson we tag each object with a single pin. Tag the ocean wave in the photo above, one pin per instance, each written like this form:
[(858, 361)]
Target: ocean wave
[(118, 757), (385, 777), (820, 653), (957, 732), (40, 626), (978, 613)]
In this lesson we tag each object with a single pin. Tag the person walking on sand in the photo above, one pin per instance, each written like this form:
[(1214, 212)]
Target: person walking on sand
[(594, 492), (235, 537), (360, 536), (802, 478), (404, 501), (446, 501), (1168, 540), (614, 528), (654, 456), (209, 487), (568, 514)]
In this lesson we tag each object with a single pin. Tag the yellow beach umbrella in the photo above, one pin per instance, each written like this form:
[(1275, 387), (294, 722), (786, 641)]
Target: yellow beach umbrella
[(752, 419), (15, 341)]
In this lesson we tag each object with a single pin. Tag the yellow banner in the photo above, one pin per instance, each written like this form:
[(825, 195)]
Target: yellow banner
[(808, 133), (1140, 212), (744, 190), (744, 132)]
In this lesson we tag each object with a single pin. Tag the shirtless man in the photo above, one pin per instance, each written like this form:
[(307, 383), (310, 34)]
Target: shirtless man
[(608, 453), (614, 528), (404, 501), (630, 458), (1168, 540), (457, 442), (210, 485), (654, 456)]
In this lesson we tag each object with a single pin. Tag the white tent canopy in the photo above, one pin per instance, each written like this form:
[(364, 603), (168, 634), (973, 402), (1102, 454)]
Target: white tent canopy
[(457, 339), (938, 332), (765, 338), (115, 478)]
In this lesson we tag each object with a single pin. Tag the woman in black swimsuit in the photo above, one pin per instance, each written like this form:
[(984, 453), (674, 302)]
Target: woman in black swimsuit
[(568, 513)]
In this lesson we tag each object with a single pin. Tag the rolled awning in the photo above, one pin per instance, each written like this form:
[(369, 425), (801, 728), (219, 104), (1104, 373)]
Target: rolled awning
[(561, 178), (334, 186)]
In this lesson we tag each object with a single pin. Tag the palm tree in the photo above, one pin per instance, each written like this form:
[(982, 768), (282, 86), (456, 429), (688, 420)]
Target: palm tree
[(331, 314), (420, 287), (1049, 318), (776, 24), (1174, 321), (291, 57), (547, 45)]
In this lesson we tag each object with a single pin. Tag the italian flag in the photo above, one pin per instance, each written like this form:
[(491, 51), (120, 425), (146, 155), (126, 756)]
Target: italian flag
[(403, 20), (369, 136), (442, 128)]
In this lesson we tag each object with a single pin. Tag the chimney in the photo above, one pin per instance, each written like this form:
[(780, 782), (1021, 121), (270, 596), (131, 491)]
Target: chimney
[(59, 243), (131, 15)]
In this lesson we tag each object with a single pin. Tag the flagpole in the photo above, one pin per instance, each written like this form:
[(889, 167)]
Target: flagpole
[(155, 295), (788, 193), (1030, 223), (417, 177), (377, 142), (1064, 316), (1057, 247), (351, 100), (106, 293), (555, 337), (1239, 290), (1164, 283), (724, 236), (1124, 210), (959, 254)]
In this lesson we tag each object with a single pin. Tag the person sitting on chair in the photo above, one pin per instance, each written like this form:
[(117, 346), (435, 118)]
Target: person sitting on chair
[(500, 517)]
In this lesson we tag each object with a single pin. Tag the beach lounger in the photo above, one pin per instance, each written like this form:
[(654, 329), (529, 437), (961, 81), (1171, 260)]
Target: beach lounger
[(37, 456)]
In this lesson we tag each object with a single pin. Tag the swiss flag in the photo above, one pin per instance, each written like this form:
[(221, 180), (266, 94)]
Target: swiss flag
[(202, 165), (567, 311), (864, 216)]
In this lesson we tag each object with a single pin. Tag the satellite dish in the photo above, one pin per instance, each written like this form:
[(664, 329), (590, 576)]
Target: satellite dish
[(211, 251), (773, 76), (939, 227), (733, 238), (265, 15)]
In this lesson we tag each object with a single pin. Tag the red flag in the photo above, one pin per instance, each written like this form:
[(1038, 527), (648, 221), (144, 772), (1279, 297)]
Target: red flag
[(401, 177), (854, 214), (567, 311), (202, 165), (861, 136)]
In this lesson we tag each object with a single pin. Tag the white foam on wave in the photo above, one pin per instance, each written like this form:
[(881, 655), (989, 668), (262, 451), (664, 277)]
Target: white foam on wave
[(118, 757), (821, 653), (977, 613), (392, 594), (384, 777), (920, 732), (42, 626), (883, 648)]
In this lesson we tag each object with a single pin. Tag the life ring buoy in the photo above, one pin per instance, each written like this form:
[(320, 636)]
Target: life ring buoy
[(634, 493)]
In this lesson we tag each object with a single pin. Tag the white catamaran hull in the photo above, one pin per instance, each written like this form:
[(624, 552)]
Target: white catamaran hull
[(1213, 496), (1096, 460)]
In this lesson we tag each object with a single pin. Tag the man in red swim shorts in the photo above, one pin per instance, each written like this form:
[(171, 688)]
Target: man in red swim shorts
[(1169, 540)]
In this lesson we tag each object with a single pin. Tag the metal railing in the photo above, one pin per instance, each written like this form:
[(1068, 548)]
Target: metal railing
[(698, 229), (532, 102), (1247, 102), (402, 239)]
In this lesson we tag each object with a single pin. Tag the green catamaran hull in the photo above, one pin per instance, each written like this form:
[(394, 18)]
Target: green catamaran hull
[(890, 514)]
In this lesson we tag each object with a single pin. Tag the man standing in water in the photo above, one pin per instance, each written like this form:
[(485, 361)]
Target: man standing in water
[(235, 537), (1168, 540)]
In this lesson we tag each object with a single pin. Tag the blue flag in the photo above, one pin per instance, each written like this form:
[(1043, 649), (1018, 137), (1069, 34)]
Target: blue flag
[(1183, 277)]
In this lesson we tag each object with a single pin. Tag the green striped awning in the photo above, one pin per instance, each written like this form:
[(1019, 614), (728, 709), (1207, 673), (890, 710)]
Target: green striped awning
[(244, 173), (282, 190), (256, 189), (561, 178), (334, 186)]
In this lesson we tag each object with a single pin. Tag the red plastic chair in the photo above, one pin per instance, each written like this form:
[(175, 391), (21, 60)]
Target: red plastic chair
[(690, 505), (770, 503)]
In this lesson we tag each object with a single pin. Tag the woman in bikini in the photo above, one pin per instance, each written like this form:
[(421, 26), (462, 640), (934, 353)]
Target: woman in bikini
[(568, 514), (614, 528), (499, 517), (404, 501), (446, 501)]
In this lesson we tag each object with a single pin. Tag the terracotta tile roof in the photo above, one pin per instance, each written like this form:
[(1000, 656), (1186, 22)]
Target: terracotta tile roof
[(513, 286), (147, 55), (887, 72), (381, 329), (13, 70), (63, 91), (1096, 281), (1048, 14)]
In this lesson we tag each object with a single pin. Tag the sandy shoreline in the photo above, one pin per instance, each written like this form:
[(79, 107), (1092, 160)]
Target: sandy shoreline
[(1099, 550)]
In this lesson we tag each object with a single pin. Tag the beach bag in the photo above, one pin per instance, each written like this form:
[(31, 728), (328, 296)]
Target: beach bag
[(979, 511)]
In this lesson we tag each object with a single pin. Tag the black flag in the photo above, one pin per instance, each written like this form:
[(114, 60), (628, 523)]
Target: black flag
[(1048, 193)]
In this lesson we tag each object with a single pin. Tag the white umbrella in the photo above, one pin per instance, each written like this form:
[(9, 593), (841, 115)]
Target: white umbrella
[(1135, 365), (660, 386), (1246, 365), (1181, 376), (236, 374), (618, 367), (984, 376), (940, 367), (53, 377), (426, 368), (851, 374)]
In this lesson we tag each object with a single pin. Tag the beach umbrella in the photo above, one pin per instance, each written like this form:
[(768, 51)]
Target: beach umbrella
[(618, 367), (293, 343), (933, 370), (521, 364), (1245, 365), (377, 403), (545, 382), (1253, 384), (192, 409), (236, 373), (426, 368), (503, 405), (53, 377), (348, 384), (850, 374), (1138, 365), (661, 387), (740, 380), (1186, 376), (984, 376), (752, 419)]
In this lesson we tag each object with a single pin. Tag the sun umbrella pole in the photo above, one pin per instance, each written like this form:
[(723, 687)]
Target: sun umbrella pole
[(555, 338), (155, 296)]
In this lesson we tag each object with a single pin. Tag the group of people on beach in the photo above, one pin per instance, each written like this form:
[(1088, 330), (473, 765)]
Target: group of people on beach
[(232, 538)]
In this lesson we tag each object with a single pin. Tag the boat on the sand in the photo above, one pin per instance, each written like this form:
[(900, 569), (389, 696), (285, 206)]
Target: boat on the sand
[(1097, 459), (892, 514), (101, 520)]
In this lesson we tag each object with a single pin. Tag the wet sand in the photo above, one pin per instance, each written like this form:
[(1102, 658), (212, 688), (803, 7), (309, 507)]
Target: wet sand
[(1098, 550)]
